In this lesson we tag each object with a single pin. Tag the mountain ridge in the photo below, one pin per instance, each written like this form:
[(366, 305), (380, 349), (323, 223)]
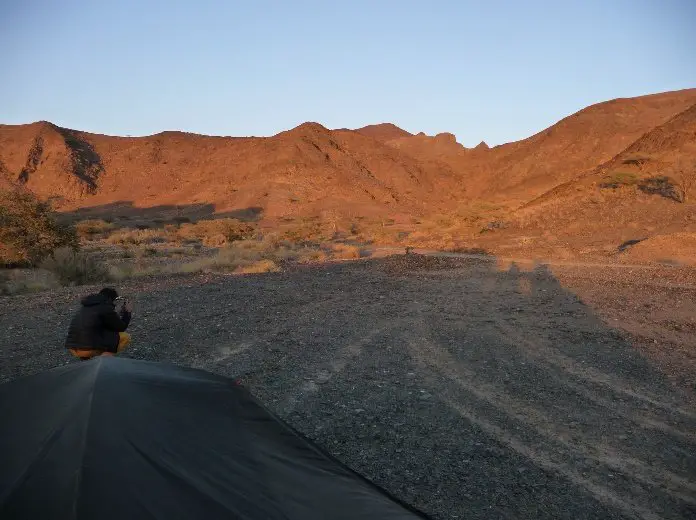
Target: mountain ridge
[(377, 171)]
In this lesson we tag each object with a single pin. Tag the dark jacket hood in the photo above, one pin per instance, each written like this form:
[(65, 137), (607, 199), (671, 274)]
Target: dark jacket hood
[(96, 299)]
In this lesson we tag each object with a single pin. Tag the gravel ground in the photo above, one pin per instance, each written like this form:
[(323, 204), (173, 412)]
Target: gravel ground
[(466, 390)]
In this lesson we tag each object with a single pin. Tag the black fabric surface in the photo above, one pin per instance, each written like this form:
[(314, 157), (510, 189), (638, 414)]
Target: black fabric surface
[(120, 439)]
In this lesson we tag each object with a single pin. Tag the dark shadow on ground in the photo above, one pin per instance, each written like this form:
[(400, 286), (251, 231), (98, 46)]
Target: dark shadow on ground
[(467, 391), (628, 243), (128, 215), (660, 185)]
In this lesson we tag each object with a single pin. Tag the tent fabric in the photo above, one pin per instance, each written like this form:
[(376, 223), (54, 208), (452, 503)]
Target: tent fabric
[(118, 438)]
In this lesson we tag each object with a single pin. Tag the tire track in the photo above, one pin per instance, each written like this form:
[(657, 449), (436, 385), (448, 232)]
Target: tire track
[(548, 356), (328, 369), (426, 353)]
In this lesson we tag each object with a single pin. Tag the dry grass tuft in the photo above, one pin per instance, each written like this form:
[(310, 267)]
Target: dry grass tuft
[(72, 267), (346, 252), (216, 233), (19, 281), (93, 229), (139, 237), (262, 266)]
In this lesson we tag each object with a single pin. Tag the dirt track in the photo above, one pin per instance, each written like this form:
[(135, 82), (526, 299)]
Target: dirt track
[(468, 391)]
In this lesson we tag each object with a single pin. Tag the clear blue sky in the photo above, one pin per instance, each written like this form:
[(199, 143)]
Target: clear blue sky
[(494, 70)]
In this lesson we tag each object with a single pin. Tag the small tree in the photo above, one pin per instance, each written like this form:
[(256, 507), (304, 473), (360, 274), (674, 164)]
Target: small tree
[(684, 172), (29, 231)]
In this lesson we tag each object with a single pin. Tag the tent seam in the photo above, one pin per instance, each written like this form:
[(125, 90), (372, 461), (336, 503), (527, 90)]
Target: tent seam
[(78, 483)]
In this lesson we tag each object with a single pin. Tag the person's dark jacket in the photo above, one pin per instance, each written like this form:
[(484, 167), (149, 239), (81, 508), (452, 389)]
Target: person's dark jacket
[(97, 324)]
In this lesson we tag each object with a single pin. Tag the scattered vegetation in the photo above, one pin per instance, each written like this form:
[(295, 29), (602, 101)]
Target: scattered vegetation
[(659, 185), (241, 257), (684, 172), (29, 230), (637, 160), (18, 281), (93, 229), (72, 267), (160, 246), (346, 252), (212, 233), (618, 179), (138, 237), (217, 233), (262, 266), (678, 184), (306, 232)]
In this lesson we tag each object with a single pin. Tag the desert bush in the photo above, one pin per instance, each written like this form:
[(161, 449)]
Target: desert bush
[(308, 256), (618, 179), (139, 237), (146, 251), (29, 230), (659, 185), (261, 266), (306, 232), (636, 160), (88, 229), (684, 173), (382, 235), (345, 251), (73, 267), (18, 281), (216, 233), (445, 221), (245, 254), (497, 224)]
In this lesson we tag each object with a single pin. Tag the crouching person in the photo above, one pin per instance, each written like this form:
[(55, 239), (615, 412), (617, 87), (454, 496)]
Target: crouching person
[(98, 329)]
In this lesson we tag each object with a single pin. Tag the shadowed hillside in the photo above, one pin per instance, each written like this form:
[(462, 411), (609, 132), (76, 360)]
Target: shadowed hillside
[(307, 170)]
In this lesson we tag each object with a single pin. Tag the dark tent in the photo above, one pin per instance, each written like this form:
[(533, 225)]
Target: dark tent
[(123, 439)]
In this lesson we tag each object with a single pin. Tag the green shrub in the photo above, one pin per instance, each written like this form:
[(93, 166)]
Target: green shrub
[(73, 267), (29, 230)]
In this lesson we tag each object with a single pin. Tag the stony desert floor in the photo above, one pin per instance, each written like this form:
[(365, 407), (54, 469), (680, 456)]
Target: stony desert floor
[(469, 387)]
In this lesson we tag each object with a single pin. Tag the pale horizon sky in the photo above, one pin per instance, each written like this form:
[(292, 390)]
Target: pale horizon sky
[(499, 71)]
